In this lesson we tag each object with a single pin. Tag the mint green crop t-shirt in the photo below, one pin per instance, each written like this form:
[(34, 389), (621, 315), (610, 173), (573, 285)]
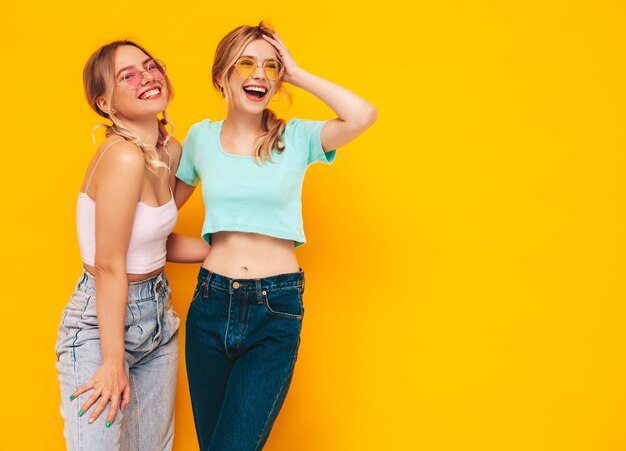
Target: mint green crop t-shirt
[(243, 195)]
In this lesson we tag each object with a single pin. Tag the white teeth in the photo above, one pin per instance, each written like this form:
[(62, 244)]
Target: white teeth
[(255, 88), (150, 93)]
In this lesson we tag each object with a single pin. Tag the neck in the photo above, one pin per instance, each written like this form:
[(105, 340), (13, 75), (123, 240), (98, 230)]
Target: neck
[(243, 123), (146, 128)]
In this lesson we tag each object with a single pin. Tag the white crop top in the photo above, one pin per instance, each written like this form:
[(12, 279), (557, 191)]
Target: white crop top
[(148, 239)]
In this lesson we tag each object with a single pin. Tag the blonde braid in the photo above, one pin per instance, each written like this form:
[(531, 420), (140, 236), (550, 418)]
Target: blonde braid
[(271, 138)]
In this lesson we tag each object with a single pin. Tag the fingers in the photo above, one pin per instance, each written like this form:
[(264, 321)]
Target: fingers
[(88, 386), (87, 404), (104, 399), (115, 401), (278, 38), (125, 398), (279, 46), (274, 42), (163, 133)]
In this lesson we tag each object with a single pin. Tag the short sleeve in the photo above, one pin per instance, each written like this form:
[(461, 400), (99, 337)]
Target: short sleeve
[(187, 167), (307, 137)]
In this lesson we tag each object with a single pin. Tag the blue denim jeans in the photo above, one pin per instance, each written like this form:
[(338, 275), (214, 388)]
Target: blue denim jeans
[(241, 346), (151, 337)]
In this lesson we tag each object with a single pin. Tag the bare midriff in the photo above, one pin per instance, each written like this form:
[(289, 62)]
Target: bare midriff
[(242, 255), (131, 277)]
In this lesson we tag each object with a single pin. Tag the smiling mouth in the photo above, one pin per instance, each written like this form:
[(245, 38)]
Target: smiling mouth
[(255, 93), (150, 93)]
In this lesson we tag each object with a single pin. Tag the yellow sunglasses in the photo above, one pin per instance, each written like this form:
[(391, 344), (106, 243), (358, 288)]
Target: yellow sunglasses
[(246, 66)]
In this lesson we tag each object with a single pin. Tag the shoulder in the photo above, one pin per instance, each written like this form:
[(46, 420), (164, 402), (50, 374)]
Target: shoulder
[(303, 128), (203, 127), (123, 156), (303, 124)]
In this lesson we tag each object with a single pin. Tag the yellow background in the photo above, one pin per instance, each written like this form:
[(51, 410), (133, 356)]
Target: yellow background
[(465, 256)]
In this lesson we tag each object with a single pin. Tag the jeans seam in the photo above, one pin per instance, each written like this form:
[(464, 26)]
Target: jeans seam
[(243, 328), (78, 329), (282, 387), (230, 299), (197, 294), (132, 322), (136, 406), (159, 312), (77, 400)]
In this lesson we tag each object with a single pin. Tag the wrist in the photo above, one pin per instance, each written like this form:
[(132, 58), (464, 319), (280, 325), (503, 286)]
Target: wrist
[(115, 366), (114, 359), (297, 77)]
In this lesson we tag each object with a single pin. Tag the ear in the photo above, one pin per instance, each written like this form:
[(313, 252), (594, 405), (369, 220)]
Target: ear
[(220, 86), (102, 104)]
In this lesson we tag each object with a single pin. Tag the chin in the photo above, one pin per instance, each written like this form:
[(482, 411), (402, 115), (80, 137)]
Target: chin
[(153, 109), (253, 108)]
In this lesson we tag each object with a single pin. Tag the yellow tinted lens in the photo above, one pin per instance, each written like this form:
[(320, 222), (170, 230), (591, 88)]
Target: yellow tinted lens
[(245, 67), (272, 69)]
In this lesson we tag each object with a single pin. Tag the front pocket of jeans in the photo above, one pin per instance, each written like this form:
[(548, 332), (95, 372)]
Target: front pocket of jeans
[(286, 302), (79, 301), (197, 293), (133, 315)]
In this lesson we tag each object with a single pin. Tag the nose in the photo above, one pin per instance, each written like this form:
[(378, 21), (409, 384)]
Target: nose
[(259, 73), (146, 76)]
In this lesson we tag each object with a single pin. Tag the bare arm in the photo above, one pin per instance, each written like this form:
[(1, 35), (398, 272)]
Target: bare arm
[(355, 115), (186, 249), (118, 187), (181, 248), (182, 193)]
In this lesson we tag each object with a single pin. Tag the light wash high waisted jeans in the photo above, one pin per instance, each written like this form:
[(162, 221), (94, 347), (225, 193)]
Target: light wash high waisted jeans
[(147, 423)]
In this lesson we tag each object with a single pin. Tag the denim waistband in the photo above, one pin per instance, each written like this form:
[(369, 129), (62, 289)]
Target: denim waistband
[(276, 282), (137, 291)]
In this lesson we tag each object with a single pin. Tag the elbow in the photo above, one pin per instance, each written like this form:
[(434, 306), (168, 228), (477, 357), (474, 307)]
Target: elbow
[(109, 269), (372, 114), (369, 114)]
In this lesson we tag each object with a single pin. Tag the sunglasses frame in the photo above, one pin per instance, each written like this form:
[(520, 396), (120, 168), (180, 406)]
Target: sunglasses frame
[(265, 70), (159, 69)]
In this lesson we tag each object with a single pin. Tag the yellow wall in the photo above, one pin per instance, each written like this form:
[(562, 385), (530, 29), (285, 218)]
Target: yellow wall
[(465, 256)]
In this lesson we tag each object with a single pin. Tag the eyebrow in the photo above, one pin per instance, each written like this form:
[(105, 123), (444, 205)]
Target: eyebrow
[(256, 59), (128, 67)]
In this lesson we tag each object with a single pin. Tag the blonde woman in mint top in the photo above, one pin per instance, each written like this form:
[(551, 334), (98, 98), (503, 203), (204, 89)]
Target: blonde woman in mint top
[(244, 321), (117, 345)]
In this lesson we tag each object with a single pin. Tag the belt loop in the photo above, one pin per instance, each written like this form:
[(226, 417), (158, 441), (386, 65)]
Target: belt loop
[(159, 282), (205, 289), (258, 285), (82, 281)]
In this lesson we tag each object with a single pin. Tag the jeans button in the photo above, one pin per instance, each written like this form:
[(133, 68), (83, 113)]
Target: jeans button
[(235, 285)]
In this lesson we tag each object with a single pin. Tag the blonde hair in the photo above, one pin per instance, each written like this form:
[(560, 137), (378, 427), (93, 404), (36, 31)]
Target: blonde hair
[(99, 81), (228, 50)]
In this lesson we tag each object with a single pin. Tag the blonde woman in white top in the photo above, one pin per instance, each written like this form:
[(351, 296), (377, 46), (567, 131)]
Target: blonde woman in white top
[(118, 355)]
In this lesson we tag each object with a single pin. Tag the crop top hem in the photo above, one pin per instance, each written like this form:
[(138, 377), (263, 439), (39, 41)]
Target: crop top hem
[(252, 228)]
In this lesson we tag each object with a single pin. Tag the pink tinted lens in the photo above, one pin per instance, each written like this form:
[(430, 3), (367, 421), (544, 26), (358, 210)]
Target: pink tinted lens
[(132, 77), (157, 69)]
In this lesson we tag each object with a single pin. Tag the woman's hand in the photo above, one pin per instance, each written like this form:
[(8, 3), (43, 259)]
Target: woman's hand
[(292, 70), (186, 249), (109, 384), (355, 114)]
